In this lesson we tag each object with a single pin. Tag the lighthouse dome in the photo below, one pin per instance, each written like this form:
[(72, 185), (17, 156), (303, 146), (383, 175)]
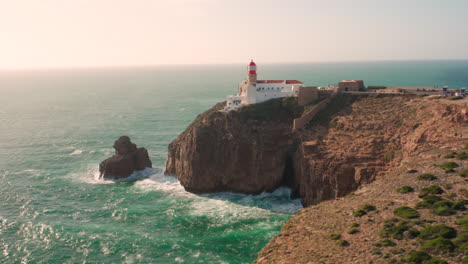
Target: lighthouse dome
[(252, 63)]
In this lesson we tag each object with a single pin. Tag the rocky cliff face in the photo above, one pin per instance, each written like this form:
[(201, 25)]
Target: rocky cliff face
[(360, 137), (240, 151), (351, 142)]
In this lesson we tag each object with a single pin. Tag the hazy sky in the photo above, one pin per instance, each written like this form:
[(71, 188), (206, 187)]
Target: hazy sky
[(80, 33)]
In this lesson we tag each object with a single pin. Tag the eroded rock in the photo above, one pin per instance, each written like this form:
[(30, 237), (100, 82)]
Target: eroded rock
[(127, 159)]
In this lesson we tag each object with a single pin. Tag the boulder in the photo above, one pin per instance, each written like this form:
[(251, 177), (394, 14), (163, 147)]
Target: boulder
[(127, 159)]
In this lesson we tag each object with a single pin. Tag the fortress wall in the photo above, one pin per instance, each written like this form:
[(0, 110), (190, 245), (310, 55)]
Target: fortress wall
[(353, 85), (300, 122), (307, 95)]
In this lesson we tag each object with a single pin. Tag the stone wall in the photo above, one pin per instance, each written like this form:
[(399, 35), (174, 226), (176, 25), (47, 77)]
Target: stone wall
[(353, 85), (307, 94), (300, 122)]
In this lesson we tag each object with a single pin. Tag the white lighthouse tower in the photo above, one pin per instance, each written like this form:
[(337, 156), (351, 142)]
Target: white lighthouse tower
[(251, 92)]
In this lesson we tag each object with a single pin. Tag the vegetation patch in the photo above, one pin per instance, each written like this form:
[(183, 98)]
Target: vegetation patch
[(353, 231), (436, 261), (394, 228), (335, 236), (439, 245), (417, 257), (450, 155), (385, 243), (427, 177), (428, 201), (343, 243), (364, 209), (412, 233), (411, 171), (355, 225), (448, 165), (405, 189), (443, 208), (406, 212), (463, 222), (435, 231), (463, 173), (433, 189), (462, 156)]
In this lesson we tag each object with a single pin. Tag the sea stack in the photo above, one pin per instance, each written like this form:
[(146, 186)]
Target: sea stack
[(127, 159)]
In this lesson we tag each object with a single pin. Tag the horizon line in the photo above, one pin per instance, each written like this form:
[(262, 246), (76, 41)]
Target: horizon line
[(123, 66)]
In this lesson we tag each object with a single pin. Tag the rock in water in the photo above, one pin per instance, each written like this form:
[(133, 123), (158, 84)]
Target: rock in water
[(127, 159)]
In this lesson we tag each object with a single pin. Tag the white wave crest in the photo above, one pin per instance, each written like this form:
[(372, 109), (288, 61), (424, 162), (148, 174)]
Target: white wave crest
[(76, 152)]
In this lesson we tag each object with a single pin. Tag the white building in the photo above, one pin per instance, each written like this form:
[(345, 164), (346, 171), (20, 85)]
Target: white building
[(253, 91)]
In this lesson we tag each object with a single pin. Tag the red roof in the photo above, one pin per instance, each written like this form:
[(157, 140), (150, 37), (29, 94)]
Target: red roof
[(281, 81), (252, 72), (252, 63)]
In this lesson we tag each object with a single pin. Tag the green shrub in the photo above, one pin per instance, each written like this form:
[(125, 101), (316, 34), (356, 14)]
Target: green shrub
[(465, 146), (428, 201), (406, 212), (439, 245), (393, 230), (412, 233), (449, 170), (418, 257), (353, 231), (462, 156), (343, 243), (385, 243), (364, 209), (335, 236), (432, 199), (463, 173), (411, 171), (355, 225), (433, 189), (368, 208), (427, 177), (443, 208), (435, 231), (460, 206), (448, 165), (461, 238), (405, 189), (443, 211), (359, 213), (463, 222), (436, 261), (450, 155), (465, 260)]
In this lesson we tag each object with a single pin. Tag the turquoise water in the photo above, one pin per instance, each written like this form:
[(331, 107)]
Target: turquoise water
[(56, 126)]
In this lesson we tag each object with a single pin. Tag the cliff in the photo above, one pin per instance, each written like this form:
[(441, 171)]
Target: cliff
[(350, 142), (240, 151), (359, 137)]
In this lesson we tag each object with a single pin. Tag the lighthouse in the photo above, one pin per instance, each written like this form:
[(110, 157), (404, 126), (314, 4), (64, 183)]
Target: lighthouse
[(252, 91), (252, 72)]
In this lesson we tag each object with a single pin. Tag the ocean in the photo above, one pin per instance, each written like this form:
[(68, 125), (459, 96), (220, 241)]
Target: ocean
[(56, 126)]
